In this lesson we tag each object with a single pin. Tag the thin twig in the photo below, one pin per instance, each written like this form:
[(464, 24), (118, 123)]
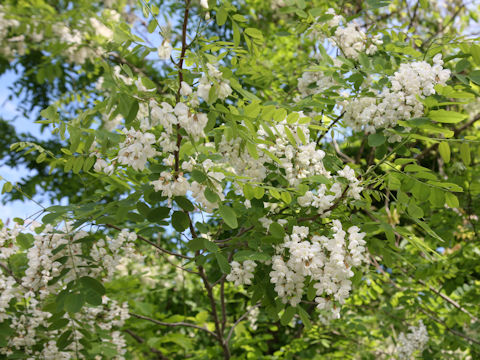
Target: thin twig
[(140, 340), (239, 320), (455, 332), (152, 243), (449, 300), (173, 324), (176, 153), (337, 119), (455, 133), (10, 272)]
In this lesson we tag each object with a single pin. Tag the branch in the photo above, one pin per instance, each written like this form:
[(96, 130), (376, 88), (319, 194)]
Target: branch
[(455, 332), (219, 336), (153, 244), (174, 324), (240, 233), (337, 119), (10, 272), (239, 320), (339, 152), (140, 340), (180, 79), (455, 133), (449, 300)]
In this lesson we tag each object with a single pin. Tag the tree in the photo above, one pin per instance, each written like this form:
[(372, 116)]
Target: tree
[(249, 179)]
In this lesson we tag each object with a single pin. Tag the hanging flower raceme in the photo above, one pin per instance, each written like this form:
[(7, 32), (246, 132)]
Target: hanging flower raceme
[(64, 265)]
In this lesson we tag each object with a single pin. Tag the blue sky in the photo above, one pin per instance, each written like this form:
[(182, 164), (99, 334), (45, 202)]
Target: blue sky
[(8, 111)]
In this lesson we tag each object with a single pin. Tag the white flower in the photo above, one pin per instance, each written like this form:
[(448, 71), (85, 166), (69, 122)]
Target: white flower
[(242, 274), (204, 4), (224, 90), (101, 29), (204, 88), (136, 149), (185, 89), (413, 342), (165, 50)]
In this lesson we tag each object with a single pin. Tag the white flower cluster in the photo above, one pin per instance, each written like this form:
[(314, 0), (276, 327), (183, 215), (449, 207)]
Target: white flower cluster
[(10, 45), (252, 318), (350, 39), (77, 52), (54, 259), (300, 159), (327, 261), (410, 82), (414, 342), (242, 274), (324, 198), (136, 149), (314, 82), (277, 4), (214, 78), (100, 29), (170, 185)]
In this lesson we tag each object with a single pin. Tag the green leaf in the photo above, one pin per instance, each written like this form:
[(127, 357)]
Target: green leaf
[(223, 263), (196, 244), (143, 208), (287, 315), (132, 113), (7, 187), (198, 176), (254, 33), (58, 324), (277, 230), (451, 200), (376, 139), (228, 215), (444, 150), (239, 18), (258, 192), (74, 302), (475, 51), (93, 298), (375, 4), (211, 195), (180, 221), (475, 76), (222, 15), (25, 240), (152, 26), (243, 255), (64, 340), (311, 291), (93, 284), (444, 116), (50, 113), (414, 210), (236, 34), (304, 317), (87, 165), (252, 150), (157, 214), (465, 153), (184, 203)]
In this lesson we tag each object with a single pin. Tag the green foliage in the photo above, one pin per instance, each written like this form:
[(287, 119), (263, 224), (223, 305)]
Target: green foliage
[(420, 177)]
